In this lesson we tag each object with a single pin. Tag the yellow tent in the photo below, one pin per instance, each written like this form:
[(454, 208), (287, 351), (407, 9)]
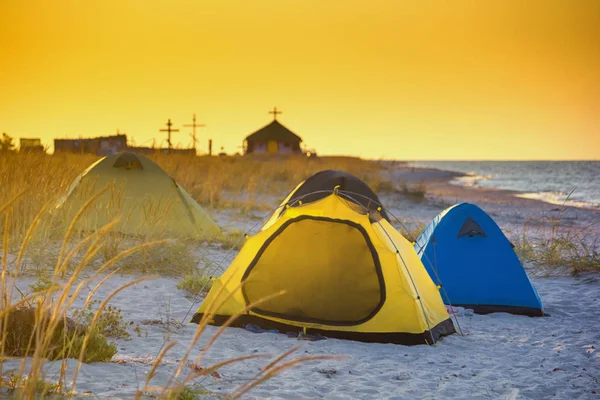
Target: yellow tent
[(343, 272), (145, 198)]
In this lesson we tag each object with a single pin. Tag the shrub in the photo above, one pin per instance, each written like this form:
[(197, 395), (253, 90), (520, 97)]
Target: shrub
[(187, 393), (19, 337), (110, 322), (195, 284), (42, 284), (14, 383)]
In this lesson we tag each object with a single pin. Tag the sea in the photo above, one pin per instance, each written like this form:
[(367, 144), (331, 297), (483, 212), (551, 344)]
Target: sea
[(573, 183)]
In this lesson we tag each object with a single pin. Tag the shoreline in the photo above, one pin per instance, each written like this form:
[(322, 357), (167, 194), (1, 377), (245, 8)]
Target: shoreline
[(472, 175), (508, 209), (439, 184)]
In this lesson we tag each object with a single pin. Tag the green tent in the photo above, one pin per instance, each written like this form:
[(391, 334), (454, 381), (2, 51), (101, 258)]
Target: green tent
[(141, 194)]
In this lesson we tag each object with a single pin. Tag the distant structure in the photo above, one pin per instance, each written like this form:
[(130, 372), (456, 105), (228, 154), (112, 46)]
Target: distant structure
[(169, 130), (101, 146), (194, 125), (31, 145), (273, 138)]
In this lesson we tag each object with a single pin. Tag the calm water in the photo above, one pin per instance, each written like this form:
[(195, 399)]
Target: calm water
[(550, 181)]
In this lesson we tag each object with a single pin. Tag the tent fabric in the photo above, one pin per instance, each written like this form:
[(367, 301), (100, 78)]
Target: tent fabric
[(465, 250), (141, 194), (470, 228), (322, 184), (337, 273)]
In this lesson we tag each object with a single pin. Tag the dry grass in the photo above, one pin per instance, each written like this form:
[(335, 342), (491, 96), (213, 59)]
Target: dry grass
[(37, 325), (34, 183), (222, 181), (212, 181), (46, 333), (555, 249), (35, 240), (414, 192)]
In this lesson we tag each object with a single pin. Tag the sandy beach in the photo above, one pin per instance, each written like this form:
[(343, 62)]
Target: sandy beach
[(498, 356)]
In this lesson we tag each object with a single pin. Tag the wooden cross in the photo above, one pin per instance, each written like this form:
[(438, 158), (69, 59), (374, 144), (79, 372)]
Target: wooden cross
[(169, 130), (194, 125), (275, 112)]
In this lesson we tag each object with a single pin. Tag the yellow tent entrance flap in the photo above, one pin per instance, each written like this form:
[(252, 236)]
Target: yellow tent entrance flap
[(316, 280), (343, 274)]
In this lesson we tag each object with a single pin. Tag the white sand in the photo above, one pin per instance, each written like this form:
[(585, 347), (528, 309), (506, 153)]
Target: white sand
[(501, 356)]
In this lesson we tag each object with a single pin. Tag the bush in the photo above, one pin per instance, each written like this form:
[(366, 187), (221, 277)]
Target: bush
[(14, 383), (110, 322), (195, 284), (187, 393), (233, 239), (19, 337), (42, 284)]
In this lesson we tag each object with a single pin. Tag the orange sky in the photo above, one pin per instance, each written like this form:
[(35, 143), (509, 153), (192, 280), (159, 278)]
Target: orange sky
[(475, 79)]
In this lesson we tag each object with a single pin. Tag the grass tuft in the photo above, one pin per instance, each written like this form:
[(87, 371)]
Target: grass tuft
[(187, 393), (415, 192), (553, 249), (233, 239), (195, 284), (110, 321)]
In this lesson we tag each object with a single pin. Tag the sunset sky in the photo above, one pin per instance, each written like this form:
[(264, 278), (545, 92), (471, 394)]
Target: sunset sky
[(398, 79)]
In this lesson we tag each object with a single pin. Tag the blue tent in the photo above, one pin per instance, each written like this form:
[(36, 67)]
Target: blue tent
[(466, 251)]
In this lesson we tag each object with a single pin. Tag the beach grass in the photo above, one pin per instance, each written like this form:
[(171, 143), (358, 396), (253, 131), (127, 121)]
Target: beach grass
[(34, 184), (43, 325), (195, 284), (415, 192), (555, 249), (36, 241)]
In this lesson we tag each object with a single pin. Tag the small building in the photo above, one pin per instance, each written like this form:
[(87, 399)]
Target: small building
[(273, 138), (31, 145), (101, 146), (111, 144)]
